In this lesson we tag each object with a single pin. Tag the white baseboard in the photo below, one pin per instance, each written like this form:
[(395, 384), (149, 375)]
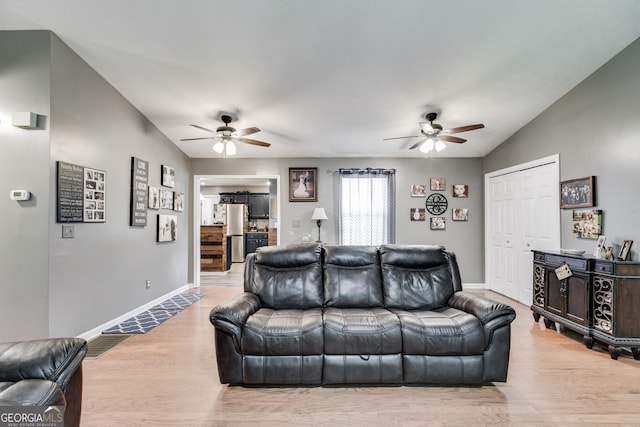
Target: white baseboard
[(475, 286), (88, 335)]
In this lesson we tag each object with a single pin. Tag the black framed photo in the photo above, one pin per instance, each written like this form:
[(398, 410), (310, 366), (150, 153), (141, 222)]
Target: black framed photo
[(624, 250), (166, 199), (168, 176), (577, 193), (303, 184), (418, 214), (167, 228)]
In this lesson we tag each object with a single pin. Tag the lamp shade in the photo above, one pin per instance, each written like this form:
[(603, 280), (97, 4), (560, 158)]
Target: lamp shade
[(319, 213)]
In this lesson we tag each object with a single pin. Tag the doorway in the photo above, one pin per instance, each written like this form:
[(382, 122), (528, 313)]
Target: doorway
[(200, 181), (522, 213)]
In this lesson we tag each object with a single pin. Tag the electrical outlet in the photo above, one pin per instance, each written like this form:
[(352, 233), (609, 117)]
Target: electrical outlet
[(295, 223), (67, 232), (147, 284)]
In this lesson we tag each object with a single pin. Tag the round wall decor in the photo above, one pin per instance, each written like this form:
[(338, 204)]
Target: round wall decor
[(436, 204)]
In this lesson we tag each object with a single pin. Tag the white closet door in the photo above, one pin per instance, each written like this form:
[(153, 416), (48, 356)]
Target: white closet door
[(522, 214)]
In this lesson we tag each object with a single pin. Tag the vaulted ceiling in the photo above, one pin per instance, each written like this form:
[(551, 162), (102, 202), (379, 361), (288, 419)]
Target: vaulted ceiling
[(333, 78)]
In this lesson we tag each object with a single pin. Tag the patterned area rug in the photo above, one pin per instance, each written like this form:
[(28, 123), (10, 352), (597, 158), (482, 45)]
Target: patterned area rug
[(144, 322)]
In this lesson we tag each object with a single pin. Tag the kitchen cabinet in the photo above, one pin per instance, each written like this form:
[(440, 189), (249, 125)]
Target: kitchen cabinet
[(256, 240), (258, 206), (213, 248)]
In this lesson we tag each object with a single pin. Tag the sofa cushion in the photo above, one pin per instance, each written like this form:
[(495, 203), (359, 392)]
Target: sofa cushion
[(34, 392), (352, 277), (416, 277), (442, 332), (361, 331), (288, 277), (289, 332)]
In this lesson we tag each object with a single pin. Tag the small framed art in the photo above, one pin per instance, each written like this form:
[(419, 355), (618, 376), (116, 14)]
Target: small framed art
[(438, 223), (418, 214), (167, 228), (303, 184), (168, 176), (577, 193), (460, 190), (625, 249), (418, 190), (460, 214), (438, 184)]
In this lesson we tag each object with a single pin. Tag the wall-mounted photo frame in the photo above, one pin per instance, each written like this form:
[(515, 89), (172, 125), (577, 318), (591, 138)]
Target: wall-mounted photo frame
[(178, 201), (418, 214), (460, 190), (166, 199), (438, 184), (418, 190), (625, 249), (94, 195), (587, 224), (168, 176), (303, 184), (577, 193), (460, 214), (154, 198), (167, 228), (438, 223)]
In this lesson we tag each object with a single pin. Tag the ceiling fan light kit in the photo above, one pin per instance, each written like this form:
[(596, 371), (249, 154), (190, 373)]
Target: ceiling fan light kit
[(435, 135), (226, 135)]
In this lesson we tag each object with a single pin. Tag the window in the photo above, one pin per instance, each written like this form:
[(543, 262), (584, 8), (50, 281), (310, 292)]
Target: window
[(367, 200)]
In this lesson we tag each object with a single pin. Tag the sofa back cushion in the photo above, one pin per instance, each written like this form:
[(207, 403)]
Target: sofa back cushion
[(418, 277), (352, 277), (286, 277)]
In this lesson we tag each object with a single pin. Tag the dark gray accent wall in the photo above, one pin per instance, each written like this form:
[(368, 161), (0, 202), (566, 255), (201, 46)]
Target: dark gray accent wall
[(596, 130), (100, 274), (464, 238)]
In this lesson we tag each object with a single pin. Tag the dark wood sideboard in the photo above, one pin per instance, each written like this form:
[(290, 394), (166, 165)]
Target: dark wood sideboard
[(600, 300)]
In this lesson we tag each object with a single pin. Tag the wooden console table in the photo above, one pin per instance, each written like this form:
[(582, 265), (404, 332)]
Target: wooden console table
[(600, 300)]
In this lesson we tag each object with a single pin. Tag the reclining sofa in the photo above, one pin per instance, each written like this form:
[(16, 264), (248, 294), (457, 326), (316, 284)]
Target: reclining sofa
[(313, 314), (46, 372)]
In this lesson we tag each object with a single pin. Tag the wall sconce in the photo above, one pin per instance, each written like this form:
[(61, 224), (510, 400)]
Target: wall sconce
[(319, 215)]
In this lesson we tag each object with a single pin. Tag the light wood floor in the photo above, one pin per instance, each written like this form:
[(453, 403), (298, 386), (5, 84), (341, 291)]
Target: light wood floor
[(168, 377)]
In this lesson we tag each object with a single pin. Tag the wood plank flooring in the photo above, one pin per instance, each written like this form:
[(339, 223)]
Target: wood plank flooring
[(168, 377)]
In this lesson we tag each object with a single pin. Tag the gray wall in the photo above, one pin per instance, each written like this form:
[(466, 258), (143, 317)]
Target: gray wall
[(464, 238), (99, 275), (24, 259), (595, 129)]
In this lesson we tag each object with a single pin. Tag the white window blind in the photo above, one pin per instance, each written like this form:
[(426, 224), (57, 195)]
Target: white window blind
[(367, 206)]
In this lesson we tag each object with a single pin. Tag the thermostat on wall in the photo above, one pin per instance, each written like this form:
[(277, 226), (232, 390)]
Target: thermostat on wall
[(20, 195)]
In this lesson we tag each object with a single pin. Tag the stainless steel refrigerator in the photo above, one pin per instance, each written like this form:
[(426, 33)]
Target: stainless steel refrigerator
[(236, 220)]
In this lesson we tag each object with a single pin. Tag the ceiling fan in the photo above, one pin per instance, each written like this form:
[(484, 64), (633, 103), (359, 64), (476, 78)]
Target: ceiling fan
[(226, 135), (434, 134)]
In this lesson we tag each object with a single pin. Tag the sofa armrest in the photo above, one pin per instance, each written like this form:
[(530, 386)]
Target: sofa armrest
[(483, 308), (55, 359), (236, 310)]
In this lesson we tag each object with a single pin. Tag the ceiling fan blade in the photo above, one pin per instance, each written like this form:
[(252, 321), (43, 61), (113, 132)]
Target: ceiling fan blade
[(401, 137), (203, 128), (417, 144), (197, 139), (254, 142), (247, 131), (426, 127), (451, 138), (465, 128)]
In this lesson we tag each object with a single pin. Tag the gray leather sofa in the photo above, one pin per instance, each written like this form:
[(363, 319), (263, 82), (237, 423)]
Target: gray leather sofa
[(359, 315), (45, 372)]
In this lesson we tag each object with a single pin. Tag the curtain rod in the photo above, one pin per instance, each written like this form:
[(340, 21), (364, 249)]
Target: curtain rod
[(359, 170)]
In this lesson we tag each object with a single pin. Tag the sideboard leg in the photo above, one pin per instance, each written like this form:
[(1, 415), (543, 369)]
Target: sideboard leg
[(536, 317), (636, 352), (588, 341), (549, 324), (614, 352)]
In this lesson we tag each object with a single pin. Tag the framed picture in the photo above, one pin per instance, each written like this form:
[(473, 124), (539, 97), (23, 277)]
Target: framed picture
[(154, 198), (577, 193), (166, 199), (438, 223), (460, 214), (303, 184), (624, 250), (94, 195), (167, 228), (418, 214), (178, 201), (587, 224), (168, 176), (599, 246), (418, 190), (460, 190), (438, 184)]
